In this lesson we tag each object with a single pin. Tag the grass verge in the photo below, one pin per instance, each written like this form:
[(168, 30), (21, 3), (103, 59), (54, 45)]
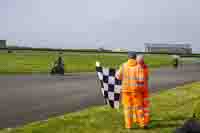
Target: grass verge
[(41, 62), (169, 109)]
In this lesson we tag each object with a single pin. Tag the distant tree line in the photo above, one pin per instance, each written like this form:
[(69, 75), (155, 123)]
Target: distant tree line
[(100, 50)]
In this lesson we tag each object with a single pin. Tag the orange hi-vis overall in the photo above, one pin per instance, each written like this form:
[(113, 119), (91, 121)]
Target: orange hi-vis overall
[(142, 74), (133, 93)]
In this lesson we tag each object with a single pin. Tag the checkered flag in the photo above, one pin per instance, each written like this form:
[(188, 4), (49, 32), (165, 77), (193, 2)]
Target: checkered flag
[(110, 86)]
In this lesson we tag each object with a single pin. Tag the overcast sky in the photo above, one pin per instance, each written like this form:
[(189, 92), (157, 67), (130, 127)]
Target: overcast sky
[(94, 23)]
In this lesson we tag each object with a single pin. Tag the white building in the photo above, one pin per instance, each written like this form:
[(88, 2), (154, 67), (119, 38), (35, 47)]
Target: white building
[(168, 48)]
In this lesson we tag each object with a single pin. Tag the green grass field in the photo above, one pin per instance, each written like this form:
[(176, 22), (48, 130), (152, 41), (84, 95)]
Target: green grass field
[(41, 62), (169, 109)]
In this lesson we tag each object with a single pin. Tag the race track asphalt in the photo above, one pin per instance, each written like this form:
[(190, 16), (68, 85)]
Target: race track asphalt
[(28, 98)]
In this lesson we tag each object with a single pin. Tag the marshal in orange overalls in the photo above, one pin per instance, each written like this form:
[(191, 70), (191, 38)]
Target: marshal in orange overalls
[(133, 93), (142, 73)]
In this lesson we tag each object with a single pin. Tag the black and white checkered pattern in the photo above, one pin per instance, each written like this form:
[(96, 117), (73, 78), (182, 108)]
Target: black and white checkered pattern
[(110, 86)]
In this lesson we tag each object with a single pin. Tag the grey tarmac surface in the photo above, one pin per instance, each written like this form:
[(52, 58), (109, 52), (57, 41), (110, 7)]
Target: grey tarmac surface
[(28, 98)]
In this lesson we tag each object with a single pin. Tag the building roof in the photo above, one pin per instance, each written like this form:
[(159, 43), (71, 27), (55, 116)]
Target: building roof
[(166, 45)]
